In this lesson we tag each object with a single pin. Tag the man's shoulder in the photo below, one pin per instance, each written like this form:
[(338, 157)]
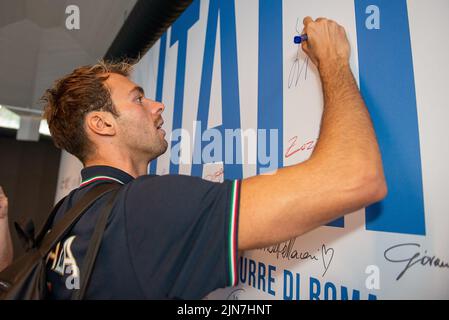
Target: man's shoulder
[(170, 181), (166, 177), (171, 190)]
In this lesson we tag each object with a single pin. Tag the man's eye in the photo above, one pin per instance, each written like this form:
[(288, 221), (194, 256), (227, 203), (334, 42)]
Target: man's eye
[(139, 100)]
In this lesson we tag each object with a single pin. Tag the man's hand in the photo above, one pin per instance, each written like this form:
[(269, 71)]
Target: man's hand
[(3, 204), (327, 42)]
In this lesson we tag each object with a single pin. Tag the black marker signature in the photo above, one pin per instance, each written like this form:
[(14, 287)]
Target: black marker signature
[(285, 251), (328, 255), (413, 260)]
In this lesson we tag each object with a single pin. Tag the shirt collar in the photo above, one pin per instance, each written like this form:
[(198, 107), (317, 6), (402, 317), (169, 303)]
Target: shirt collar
[(104, 173)]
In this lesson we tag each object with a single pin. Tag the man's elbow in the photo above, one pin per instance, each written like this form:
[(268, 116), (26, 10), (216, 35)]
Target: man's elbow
[(372, 188), (379, 189)]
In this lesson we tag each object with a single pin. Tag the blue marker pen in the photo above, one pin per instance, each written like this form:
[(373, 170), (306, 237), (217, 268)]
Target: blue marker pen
[(301, 38)]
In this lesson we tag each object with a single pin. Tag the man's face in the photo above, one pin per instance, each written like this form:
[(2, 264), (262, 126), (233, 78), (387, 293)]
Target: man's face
[(140, 120)]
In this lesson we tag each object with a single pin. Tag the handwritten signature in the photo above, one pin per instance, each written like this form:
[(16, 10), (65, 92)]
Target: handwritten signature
[(417, 258), (216, 176), (293, 148), (69, 183), (286, 251), (297, 68), (296, 71)]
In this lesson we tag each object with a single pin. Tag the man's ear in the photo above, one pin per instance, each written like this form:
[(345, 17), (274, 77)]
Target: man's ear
[(101, 123)]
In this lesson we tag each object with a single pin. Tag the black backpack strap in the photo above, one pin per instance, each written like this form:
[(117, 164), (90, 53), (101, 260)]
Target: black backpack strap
[(94, 246), (26, 232), (43, 231), (25, 277), (72, 216)]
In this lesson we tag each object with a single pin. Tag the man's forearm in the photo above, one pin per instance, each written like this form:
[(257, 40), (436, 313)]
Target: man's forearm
[(343, 174), (347, 141)]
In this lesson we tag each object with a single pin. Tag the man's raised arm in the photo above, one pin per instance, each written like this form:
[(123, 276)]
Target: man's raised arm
[(344, 172)]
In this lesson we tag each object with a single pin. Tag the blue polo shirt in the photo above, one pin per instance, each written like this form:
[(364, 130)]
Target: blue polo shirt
[(168, 237)]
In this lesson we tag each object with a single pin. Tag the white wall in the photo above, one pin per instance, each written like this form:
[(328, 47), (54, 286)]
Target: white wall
[(69, 176)]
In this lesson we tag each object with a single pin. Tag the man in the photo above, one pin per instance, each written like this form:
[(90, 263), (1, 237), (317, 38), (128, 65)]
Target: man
[(6, 251), (177, 236)]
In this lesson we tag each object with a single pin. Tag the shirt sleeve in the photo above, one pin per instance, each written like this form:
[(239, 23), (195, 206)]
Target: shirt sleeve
[(182, 235)]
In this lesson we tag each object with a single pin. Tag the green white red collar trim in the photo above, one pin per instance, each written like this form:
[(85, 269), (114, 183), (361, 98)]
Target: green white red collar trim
[(232, 233), (101, 178)]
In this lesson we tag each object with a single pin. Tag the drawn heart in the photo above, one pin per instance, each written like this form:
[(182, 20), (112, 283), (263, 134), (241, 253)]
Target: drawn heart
[(327, 255)]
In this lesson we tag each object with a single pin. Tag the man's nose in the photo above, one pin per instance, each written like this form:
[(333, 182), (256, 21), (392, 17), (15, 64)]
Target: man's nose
[(158, 107)]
